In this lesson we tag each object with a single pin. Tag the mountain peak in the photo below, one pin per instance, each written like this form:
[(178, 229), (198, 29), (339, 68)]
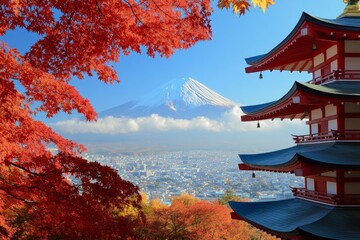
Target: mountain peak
[(179, 98), (185, 92)]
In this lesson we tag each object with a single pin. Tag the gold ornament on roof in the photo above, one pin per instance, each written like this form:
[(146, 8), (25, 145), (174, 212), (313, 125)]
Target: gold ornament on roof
[(351, 2), (352, 9)]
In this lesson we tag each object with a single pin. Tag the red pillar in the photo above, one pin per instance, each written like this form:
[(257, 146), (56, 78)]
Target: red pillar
[(341, 115)]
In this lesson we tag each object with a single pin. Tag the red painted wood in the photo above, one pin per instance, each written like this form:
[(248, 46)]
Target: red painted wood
[(341, 59), (340, 112), (299, 47), (340, 181), (320, 185)]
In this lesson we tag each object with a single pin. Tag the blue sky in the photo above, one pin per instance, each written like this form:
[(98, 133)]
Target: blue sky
[(218, 63)]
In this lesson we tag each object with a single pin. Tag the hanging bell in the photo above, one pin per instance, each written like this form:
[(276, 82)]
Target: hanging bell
[(314, 47)]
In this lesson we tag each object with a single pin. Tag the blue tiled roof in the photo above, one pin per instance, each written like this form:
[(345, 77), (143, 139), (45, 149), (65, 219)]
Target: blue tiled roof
[(292, 216), (336, 89), (345, 23), (334, 153), (341, 223), (256, 108)]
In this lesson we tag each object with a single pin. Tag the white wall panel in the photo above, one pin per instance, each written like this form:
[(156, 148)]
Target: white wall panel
[(331, 187), (352, 46), (310, 184), (331, 51)]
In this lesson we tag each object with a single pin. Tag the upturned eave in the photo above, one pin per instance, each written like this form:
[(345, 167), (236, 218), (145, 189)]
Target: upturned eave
[(305, 160), (292, 218), (301, 99), (296, 51)]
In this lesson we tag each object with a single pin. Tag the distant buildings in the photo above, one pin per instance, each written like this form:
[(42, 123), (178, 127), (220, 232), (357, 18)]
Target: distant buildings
[(206, 175)]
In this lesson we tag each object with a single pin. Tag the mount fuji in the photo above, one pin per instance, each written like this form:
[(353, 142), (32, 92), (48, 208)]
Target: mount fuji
[(179, 99)]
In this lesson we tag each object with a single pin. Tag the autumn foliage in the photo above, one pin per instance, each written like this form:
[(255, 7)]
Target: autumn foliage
[(190, 218), (62, 196), (241, 6)]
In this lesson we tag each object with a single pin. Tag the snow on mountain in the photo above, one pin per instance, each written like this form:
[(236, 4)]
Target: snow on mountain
[(187, 92), (180, 98)]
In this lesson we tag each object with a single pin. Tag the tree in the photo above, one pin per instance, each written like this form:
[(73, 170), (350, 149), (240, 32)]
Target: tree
[(240, 6), (192, 218), (230, 196), (42, 194), (44, 203)]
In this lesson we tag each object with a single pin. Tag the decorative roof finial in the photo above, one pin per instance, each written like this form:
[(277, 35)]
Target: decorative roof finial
[(352, 9)]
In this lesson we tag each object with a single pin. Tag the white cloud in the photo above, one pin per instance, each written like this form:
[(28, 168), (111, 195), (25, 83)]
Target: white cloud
[(228, 122)]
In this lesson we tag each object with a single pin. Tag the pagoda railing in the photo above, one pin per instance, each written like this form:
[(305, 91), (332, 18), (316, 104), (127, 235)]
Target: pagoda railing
[(328, 136), (335, 199), (335, 75), (348, 199), (316, 196)]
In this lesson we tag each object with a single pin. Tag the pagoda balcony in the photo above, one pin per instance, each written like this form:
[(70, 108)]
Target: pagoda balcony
[(336, 75), (348, 135), (333, 199)]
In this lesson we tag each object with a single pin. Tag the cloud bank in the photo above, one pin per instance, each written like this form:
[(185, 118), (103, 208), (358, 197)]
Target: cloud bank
[(228, 122)]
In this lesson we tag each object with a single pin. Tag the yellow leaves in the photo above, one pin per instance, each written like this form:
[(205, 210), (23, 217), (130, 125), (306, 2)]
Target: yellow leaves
[(184, 199), (240, 6), (16, 5), (263, 4)]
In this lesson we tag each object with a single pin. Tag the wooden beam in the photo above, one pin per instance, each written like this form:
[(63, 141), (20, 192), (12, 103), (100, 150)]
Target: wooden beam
[(304, 65), (295, 66), (235, 216)]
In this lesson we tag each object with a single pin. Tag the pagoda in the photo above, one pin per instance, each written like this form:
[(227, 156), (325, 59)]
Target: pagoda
[(328, 158)]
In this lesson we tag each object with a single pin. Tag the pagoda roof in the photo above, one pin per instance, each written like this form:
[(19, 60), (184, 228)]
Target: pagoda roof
[(293, 217), (295, 52), (311, 158), (300, 98)]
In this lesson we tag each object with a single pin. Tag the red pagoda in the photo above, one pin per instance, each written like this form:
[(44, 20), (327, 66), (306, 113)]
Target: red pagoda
[(328, 158)]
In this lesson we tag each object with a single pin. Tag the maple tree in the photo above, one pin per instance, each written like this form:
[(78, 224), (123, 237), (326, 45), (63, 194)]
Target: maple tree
[(191, 218), (241, 6), (46, 195), (64, 196)]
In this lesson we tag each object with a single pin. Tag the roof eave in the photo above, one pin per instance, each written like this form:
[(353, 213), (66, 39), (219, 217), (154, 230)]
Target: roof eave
[(258, 59), (305, 160), (301, 95), (256, 62)]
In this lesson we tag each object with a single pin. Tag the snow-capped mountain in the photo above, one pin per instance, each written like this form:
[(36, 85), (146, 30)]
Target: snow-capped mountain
[(180, 98)]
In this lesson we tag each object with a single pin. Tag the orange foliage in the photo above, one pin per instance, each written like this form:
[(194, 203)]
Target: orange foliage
[(191, 218), (241, 6), (40, 201), (64, 196)]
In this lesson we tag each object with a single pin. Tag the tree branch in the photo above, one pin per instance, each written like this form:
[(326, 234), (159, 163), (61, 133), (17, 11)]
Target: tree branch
[(17, 197), (161, 10), (26, 170), (133, 11), (98, 7)]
